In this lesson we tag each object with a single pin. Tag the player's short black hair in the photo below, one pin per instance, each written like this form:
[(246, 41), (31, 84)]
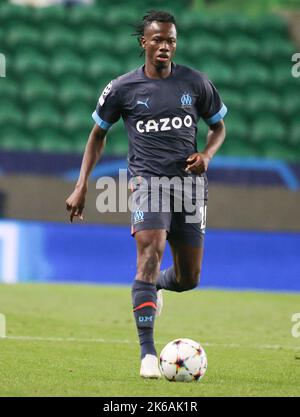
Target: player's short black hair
[(152, 16)]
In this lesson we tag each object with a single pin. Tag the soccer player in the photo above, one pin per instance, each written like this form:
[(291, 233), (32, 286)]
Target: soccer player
[(160, 103)]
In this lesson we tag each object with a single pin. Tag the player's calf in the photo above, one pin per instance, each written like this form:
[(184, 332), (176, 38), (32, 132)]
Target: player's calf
[(168, 280)]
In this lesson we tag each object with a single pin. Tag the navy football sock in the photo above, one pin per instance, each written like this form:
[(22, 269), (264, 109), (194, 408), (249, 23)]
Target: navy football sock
[(167, 281), (144, 297)]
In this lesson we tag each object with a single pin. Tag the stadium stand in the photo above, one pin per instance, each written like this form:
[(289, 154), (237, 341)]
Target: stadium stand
[(60, 58)]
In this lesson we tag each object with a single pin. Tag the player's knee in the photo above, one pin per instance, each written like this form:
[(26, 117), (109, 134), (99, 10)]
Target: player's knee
[(189, 281)]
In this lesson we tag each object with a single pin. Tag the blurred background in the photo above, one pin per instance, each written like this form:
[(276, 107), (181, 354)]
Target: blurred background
[(56, 59)]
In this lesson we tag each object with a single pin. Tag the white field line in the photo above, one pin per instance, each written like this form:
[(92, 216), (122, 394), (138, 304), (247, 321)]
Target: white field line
[(124, 341)]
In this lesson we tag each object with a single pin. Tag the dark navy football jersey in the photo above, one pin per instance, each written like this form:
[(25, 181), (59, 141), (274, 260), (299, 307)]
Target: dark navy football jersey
[(160, 116)]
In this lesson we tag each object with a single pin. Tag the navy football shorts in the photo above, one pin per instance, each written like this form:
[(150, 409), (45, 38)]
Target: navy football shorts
[(177, 205)]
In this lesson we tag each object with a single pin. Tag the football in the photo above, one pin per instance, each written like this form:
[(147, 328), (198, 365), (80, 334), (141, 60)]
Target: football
[(183, 360)]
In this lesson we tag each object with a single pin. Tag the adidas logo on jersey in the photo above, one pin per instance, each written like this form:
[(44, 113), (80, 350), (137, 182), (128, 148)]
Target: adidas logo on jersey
[(164, 124)]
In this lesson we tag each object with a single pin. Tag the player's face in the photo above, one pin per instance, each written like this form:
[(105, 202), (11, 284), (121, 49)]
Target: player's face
[(159, 42)]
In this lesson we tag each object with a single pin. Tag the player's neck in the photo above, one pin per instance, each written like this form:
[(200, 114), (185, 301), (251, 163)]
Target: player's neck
[(156, 73)]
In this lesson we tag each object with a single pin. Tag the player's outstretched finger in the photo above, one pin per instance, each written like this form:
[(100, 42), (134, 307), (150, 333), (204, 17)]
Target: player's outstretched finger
[(80, 213), (73, 214)]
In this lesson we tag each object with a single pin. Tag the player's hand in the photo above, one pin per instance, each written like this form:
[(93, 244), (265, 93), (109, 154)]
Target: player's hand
[(75, 203), (197, 163)]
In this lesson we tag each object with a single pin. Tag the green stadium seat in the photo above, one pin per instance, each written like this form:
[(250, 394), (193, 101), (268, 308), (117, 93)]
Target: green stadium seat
[(59, 36), (290, 104), (117, 129), (293, 134), (8, 12), (2, 36), (79, 146), (9, 88), (232, 23), (239, 130), (134, 55), (237, 127), (121, 17), (101, 65), (282, 76), (280, 151), (195, 22), (43, 16), (81, 15), (78, 137), (241, 45), (18, 36), (87, 16), (18, 143), (261, 100), (60, 59), (67, 62), (296, 153), (13, 14), (117, 145), (78, 116), (53, 141), (117, 141), (125, 44), (133, 63), (218, 71), (43, 115), (180, 60), (95, 39), (72, 89), (249, 72), (203, 44), (276, 49), (267, 128), (28, 60), (10, 113), (15, 139), (234, 100), (36, 87), (108, 147), (233, 147), (268, 25)]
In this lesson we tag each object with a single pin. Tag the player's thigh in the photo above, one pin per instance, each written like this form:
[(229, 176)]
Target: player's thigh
[(150, 249), (151, 241), (188, 225), (187, 231)]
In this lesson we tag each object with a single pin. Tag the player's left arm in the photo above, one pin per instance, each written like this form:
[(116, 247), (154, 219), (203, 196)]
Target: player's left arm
[(198, 162)]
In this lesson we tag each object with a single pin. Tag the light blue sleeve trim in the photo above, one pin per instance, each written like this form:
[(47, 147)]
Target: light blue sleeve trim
[(101, 123), (217, 117)]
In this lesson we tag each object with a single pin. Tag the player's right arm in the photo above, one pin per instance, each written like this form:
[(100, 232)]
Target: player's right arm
[(107, 112), (93, 150)]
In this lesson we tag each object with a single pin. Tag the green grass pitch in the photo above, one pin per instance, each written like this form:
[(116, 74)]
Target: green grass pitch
[(80, 340)]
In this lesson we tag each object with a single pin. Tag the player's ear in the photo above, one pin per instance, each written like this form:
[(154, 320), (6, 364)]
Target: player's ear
[(143, 42)]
